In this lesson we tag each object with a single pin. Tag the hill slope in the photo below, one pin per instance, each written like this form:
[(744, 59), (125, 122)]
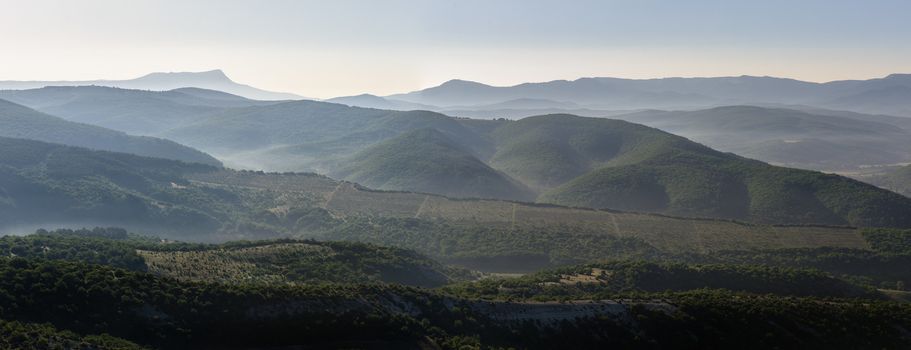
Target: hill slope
[(46, 185), (307, 135), (597, 280), (93, 299), (137, 112), (893, 100), (783, 136), (269, 262), (51, 183), (544, 153), (898, 180), (694, 181), (426, 160), (22, 122)]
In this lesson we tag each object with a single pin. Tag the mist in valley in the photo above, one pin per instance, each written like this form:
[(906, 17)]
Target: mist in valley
[(455, 175)]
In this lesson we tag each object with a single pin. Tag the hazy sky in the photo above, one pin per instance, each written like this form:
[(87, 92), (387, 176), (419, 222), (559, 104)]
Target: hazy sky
[(335, 47)]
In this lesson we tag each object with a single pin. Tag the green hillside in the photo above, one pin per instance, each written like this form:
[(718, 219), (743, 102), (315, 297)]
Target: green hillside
[(243, 262), (547, 151), (562, 159), (51, 183), (18, 335), (426, 160), (308, 135), (22, 122), (720, 185), (165, 313), (605, 279), (46, 185), (498, 236)]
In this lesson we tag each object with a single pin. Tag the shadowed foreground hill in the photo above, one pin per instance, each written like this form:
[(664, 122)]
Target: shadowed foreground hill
[(598, 280), (266, 262), (426, 160), (22, 122), (169, 314)]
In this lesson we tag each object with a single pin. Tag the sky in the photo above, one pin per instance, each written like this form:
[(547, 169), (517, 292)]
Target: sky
[(333, 48)]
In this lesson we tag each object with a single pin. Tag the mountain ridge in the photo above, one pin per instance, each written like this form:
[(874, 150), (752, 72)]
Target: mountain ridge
[(163, 81), (673, 92), (22, 122)]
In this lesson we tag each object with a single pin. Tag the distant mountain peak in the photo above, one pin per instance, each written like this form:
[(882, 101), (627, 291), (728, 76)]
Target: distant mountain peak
[(460, 82), (216, 75), (215, 79), (367, 96)]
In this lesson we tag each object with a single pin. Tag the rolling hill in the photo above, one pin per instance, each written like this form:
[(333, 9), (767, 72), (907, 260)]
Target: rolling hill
[(426, 160), (563, 159), (138, 112), (603, 163), (810, 140), (373, 101), (889, 100), (43, 183), (307, 135), (22, 122), (96, 299), (107, 281), (267, 262), (705, 183), (47, 185)]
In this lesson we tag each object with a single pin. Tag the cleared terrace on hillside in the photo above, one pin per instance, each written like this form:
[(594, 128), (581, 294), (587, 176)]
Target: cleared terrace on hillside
[(663, 232)]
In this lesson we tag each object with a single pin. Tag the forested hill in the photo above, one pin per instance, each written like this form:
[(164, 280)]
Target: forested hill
[(267, 262), (426, 160), (556, 159), (22, 122), (562, 159), (48, 185), (161, 312), (676, 176), (51, 183)]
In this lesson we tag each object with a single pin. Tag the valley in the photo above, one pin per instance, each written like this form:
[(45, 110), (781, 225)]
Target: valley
[(415, 229)]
